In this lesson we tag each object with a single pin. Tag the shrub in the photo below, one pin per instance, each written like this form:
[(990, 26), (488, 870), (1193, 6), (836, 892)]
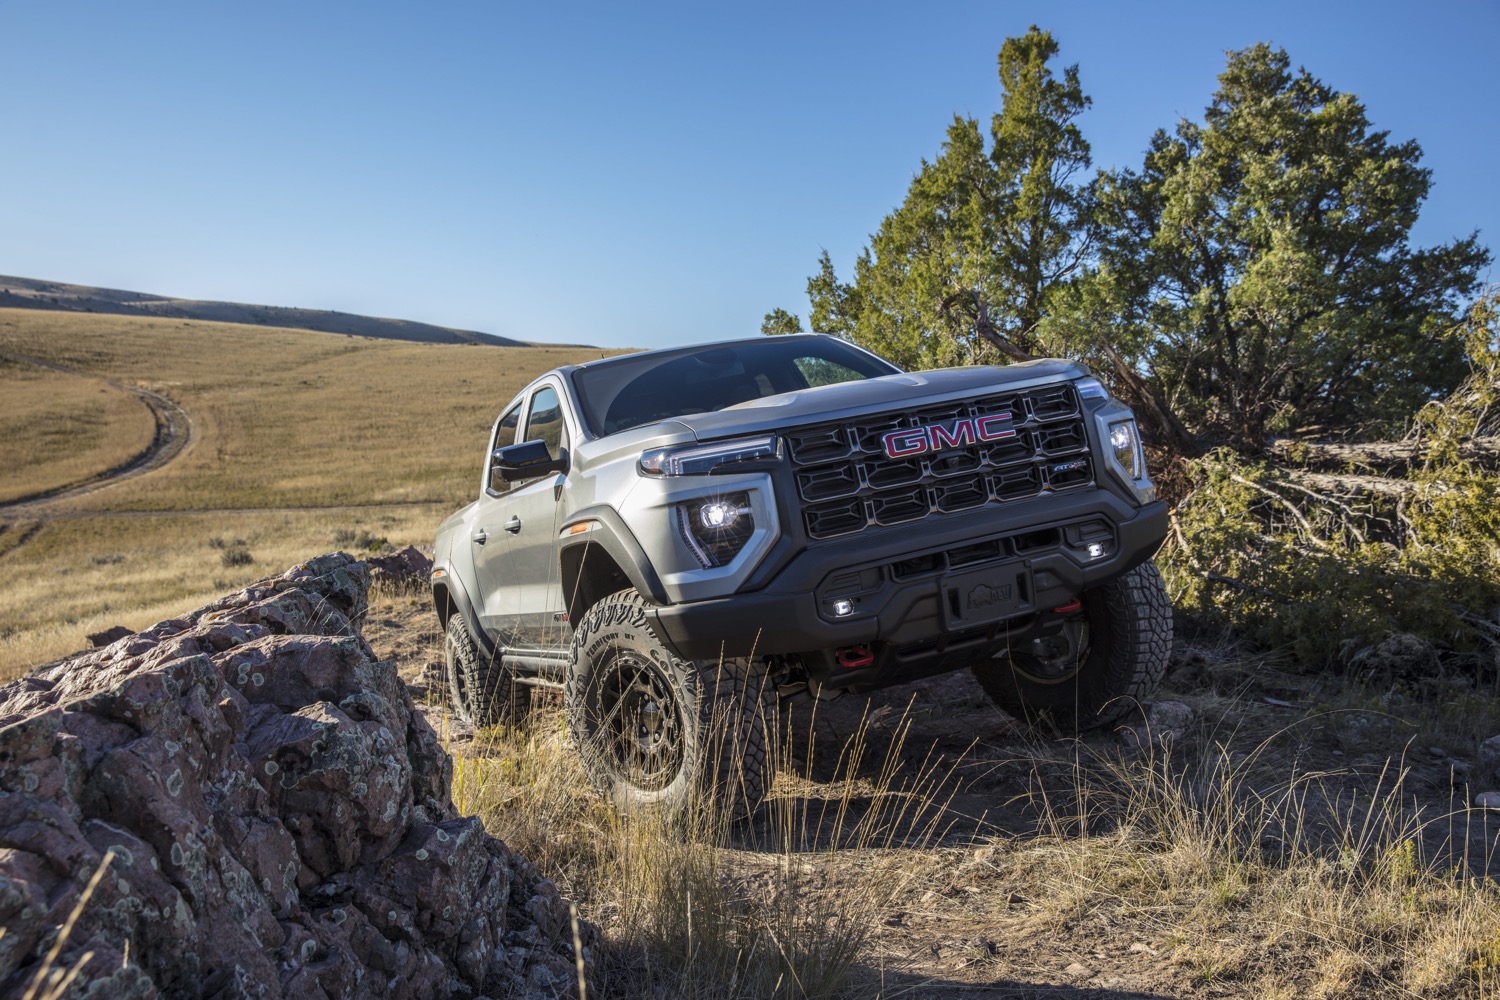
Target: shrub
[(359, 540), (1328, 565), (236, 555)]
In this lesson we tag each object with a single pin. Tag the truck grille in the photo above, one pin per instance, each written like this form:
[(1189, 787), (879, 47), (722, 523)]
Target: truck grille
[(847, 483)]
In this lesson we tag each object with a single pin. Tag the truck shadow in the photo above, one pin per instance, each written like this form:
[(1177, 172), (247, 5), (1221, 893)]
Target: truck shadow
[(905, 768), (937, 765)]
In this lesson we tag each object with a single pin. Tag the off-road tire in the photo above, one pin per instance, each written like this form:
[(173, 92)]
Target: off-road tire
[(482, 693), (1128, 639), (656, 733)]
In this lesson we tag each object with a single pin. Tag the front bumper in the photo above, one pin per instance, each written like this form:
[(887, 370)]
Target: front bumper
[(903, 592)]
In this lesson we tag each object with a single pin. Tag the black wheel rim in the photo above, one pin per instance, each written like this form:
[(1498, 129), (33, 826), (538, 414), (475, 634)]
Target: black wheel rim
[(640, 723), (1040, 669)]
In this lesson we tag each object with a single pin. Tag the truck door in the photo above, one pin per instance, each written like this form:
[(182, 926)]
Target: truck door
[(531, 601), (489, 542)]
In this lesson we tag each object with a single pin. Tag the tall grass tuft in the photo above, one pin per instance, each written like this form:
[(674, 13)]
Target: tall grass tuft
[(1255, 871), (696, 906)]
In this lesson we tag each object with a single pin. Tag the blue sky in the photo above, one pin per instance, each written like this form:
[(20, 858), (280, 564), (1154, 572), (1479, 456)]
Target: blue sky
[(615, 174)]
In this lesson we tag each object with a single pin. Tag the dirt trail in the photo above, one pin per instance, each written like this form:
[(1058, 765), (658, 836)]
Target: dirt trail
[(174, 432)]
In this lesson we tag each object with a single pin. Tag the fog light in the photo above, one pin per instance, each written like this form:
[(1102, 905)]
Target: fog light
[(716, 528), (843, 608), (1096, 550), (718, 514)]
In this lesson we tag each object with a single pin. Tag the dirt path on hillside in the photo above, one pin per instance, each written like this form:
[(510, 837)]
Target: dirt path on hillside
[(174, 432)]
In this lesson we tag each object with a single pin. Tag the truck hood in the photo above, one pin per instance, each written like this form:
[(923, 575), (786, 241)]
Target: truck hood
[(852, 399)]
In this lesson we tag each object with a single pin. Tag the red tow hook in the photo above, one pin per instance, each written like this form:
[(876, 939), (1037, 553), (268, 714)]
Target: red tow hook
[(854, 657), (1069, 608)]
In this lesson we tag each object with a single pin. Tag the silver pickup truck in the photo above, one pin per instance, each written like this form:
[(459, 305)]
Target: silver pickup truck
[(679, 537)]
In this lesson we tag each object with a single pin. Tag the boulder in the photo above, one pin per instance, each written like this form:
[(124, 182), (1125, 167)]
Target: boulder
[(408, 567), (272, 817)]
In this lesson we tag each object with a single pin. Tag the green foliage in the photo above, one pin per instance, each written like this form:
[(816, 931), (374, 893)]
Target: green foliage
[(1258, 266), (1254, 277), (1296, 563), (779, 321), (960, 272)]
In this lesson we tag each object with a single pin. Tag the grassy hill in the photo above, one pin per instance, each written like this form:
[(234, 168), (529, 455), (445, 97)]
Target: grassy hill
[(294, 437), (31, 293)]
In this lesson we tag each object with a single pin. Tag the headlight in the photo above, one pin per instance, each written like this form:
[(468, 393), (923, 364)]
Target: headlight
[(706, 459), (716, 528), (1125, 445)]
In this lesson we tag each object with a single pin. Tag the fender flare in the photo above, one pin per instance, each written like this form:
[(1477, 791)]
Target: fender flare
[(449, 595), (618, 543)]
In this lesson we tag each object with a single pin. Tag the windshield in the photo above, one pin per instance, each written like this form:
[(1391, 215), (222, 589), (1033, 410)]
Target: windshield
[(639, 389)]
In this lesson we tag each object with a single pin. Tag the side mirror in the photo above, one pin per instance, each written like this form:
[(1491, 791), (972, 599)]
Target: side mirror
[(525, 461)]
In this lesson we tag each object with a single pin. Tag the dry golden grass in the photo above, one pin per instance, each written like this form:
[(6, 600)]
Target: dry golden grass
[(294, 435), (1270, 852), (83, 574), (291, 418), (1263, 886), (692, 907), (57, 429)]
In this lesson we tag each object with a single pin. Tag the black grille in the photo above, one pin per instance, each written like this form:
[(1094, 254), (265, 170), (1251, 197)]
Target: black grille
[(846, 483)]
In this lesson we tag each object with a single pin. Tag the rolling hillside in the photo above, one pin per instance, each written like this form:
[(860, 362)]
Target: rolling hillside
[(31, 293)]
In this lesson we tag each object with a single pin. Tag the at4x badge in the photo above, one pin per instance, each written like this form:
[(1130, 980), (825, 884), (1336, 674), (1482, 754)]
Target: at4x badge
[(959, 433)]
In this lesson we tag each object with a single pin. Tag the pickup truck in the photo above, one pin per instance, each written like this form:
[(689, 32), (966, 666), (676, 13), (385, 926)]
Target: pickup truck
[(677, 538)]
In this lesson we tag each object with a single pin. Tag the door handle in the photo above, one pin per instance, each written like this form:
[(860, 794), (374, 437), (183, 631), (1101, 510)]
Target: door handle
[(513, 525), (480, 537)]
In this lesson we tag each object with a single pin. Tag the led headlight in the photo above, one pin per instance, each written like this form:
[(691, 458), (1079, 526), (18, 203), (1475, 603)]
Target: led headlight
[(1125, 445), (716, 528), (706, 459)]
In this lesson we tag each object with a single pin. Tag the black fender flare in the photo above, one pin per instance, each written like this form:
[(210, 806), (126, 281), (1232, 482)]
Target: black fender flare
[(613, 536), (449, 593)]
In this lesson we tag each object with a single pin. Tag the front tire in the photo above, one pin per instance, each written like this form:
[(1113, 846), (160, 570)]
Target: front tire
[(656, 733), (1116, 652), (483, 693)]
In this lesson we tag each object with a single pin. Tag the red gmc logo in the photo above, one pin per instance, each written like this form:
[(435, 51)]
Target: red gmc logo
[(939, 437)]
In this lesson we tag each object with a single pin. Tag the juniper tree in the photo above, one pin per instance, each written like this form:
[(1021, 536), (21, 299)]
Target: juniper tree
[(1259, 267)]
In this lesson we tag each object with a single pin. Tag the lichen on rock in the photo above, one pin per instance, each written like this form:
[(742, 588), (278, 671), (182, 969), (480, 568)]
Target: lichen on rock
[(278, 819)]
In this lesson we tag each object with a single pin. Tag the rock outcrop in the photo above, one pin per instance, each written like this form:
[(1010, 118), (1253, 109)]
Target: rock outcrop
[(276, 816), (404, 568)]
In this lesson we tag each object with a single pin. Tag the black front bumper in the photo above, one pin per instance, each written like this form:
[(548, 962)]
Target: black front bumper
[(919, 593)]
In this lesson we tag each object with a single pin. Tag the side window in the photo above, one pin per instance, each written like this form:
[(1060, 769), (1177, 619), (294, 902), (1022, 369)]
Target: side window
[(505, 435), (544, 421)]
